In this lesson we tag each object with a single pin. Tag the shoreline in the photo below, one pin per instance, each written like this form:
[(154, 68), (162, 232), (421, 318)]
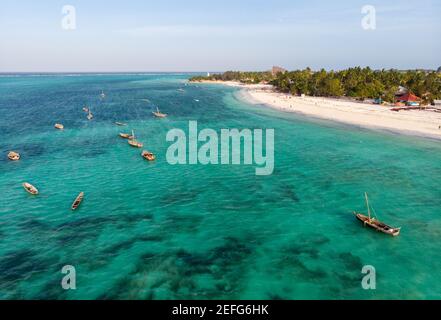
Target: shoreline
[(361, 114)]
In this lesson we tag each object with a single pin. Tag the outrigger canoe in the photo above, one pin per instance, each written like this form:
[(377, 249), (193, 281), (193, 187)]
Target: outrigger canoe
[(30, 188), (135, 143), (78, 201), (159, 114), (14, 156), (126, 135), (375, 223), (132, 141), (148, 156)]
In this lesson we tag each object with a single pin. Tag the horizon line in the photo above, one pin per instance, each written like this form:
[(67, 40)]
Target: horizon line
[(205, 71)]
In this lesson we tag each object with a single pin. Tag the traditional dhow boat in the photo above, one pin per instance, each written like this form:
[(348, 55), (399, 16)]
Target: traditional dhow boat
[(59, 126), (148, 155), (30, 188), (14, 156), (126, 135), (133, 141), (78, 201), (374, 223), (159, 114)]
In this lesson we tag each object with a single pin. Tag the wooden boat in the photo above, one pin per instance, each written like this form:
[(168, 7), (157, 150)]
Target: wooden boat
[(133, 141), (148, 156), (159, 114), (375, 223), (59, 126), (14, 156), (126, 135), (121, 124), (30, 188), (78, 201)]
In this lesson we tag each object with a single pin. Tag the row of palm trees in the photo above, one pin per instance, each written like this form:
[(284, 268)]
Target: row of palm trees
[(360, 83)]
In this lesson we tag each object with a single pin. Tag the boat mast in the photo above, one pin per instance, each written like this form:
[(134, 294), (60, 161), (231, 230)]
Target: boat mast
[(367, 205)]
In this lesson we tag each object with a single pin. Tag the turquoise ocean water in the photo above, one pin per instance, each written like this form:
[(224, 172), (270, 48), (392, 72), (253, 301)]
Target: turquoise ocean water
[(157, 231)]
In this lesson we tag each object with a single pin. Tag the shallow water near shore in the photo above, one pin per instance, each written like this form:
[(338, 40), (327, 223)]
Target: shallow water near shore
[(157, 231)]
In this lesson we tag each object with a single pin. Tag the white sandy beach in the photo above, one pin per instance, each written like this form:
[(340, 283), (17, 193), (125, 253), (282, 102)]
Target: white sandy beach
[(412, 122)]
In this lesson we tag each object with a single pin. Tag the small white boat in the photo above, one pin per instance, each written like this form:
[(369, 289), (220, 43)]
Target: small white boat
[(59, 126), (30, 188), (159, 114), (90, 116), (102, 95), (14, 156), (121, 124)]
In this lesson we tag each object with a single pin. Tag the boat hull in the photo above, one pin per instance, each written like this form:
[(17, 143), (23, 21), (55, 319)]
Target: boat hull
[(159, 115), (30, 188), (125, 136), (135, 144), (148, 156), (377, 225), (77, 201), (13, 156)]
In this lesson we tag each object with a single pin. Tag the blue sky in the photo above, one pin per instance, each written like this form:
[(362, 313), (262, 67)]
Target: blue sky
[(196, 35)]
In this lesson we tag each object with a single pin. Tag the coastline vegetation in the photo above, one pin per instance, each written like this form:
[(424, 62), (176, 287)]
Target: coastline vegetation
[(359, 83), (243, 77)]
